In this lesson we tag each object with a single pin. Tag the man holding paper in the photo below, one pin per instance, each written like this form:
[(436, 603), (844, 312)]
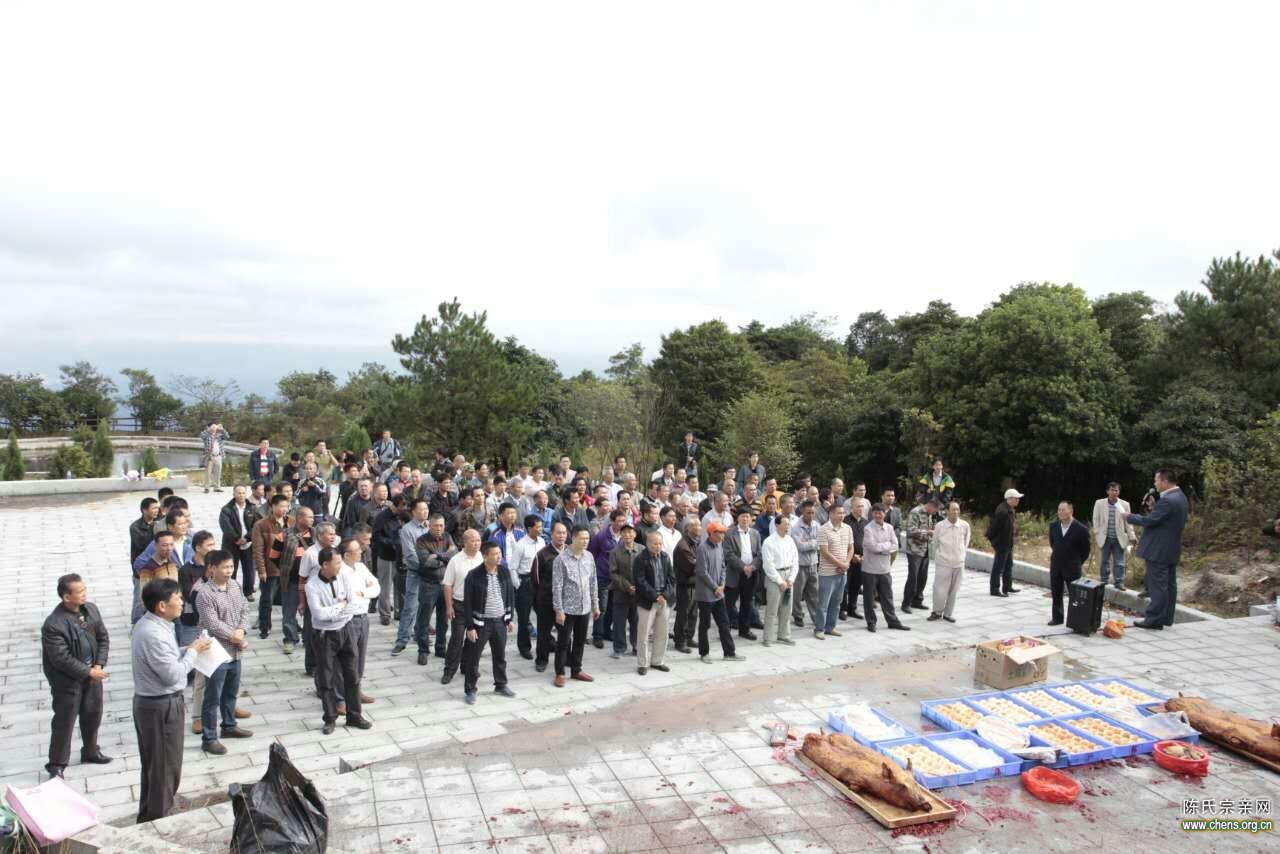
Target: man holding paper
[(222, 609)]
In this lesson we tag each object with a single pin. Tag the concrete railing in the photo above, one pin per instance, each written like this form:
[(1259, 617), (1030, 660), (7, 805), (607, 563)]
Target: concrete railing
[(1030, 573), (87, 486), (49, 444)]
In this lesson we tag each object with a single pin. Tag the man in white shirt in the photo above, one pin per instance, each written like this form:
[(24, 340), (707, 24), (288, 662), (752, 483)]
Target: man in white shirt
[(454, 581), (668, 531), (951, 545), (326, 538), (524, 552), (695, 495), (719, 512), (781, 566), (331, 604), (364, 589)]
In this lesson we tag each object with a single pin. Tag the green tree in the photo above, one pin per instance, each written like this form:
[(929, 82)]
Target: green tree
[(86, 393), (150, 404), (148, 463), (1234, 327), (208, 399), (792, 339), (101, 454), (458, 372), (12, 466), (1130, 323), (1198, 416), (886, 345), (1031, 388), (610, 418), (30, 407), (70, 458), (354, 438), (627, 365), (701, 371), (871, 339), (760, 422)]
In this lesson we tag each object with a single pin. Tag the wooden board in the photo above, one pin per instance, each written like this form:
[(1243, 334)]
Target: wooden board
[(1265, 763), (883, 811)]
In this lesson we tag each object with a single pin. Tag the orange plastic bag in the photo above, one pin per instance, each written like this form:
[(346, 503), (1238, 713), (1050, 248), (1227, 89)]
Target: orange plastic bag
[(1113, 628), (1049, 785)]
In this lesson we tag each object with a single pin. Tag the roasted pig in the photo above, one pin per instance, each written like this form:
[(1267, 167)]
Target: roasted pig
[(865, 771)]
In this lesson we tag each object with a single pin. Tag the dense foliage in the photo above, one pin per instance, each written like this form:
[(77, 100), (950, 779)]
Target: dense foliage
[(1044, 389)]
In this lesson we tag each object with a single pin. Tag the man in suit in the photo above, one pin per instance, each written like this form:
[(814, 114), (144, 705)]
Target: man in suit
[(1112, 534), (1069, 544), (236, 520), (743, 563), (1161, 548), (1001, 531), (688, 455)]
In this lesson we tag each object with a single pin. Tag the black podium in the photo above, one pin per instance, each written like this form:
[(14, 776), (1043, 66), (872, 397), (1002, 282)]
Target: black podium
[(1084, 608)]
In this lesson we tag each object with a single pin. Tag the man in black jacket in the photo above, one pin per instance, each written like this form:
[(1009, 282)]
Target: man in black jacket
[(1069, 541), (386, 554), (1001, 531), (684, 563), (236, 520), (488, 606), (542, 605), (73, 652), (655, 581)]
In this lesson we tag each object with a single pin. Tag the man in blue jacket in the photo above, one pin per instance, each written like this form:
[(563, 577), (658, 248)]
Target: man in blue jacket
[(1161, 548)]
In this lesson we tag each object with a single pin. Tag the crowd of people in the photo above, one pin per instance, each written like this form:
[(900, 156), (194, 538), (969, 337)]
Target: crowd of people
[(463, 556)]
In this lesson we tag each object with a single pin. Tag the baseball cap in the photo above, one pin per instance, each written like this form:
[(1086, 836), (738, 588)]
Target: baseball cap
[(716, 527), (1012, 493)]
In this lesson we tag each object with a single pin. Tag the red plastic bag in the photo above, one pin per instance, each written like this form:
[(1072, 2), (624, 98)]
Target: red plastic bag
[(1196, 764), (1049, 785)]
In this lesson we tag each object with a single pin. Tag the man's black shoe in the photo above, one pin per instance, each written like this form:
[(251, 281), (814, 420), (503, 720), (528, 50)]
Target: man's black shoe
[(856, 616), (933, 618), (54, 770), (905, 608), (756, 624), (397, 649), (359, 723), (949, 619), (385, 620), (918, 604), (526, 655), (998, 593), (98, 758), (871, 627), (749, 635), (598, 643), (422, 659), (1014, 590), (1143, 624), (446, 678), (661, 667), (686, 650), (327, 729), (540, 666), (797, 622), (1054, 623), (900, 627)]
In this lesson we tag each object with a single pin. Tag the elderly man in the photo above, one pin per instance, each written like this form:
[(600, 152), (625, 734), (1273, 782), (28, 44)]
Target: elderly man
[(879, 544), (454, 592), (73, 652), (684, 564), (1002, 530), (742, 568), (951, 546), (781, 562), (709, 578), (804, 593), (919, 537), (1070, 547), (655, 587)]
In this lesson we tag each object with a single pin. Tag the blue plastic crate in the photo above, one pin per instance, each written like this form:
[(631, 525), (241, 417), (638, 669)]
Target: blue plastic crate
[(1005, 695), (927, 780), (927, 710), (1011, 766), (835, 722), (1102, 751), (1145, 746), (1072, 703), (1096, 685)]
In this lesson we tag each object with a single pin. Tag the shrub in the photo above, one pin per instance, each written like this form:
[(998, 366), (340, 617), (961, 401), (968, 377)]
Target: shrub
[(70, 458), (148, 463), (100, 450), (354, 438), (11, 465)]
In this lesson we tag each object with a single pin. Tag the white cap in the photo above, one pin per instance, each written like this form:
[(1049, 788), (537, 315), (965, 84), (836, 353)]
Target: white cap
[(1012, 493)]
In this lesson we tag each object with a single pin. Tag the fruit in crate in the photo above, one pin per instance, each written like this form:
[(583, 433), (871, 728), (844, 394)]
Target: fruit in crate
[(1119, 689), (1065, 739), (959, 713), (925, 760), (1002, 708), (1046, 702), (864, 770), (1109, 733)]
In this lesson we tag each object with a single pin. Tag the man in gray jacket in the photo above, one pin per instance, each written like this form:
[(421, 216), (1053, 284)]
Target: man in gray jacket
[(743, 564), (709, 584), (805, 593)]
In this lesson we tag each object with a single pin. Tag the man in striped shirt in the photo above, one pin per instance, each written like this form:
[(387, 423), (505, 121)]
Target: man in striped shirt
[(487, 605)]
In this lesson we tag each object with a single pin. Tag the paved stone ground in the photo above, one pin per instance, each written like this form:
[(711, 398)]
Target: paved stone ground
[(425, 737)]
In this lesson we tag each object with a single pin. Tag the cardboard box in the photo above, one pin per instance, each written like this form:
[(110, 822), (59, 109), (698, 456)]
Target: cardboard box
[(1012, 667)]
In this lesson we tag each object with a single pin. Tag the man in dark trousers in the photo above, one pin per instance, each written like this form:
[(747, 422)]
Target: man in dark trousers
[(488, 609), (1070, 546), (1001, 531), (1161, 548), (160, 671), (73, 652), (743, 565), (541, 577), (685, 562)]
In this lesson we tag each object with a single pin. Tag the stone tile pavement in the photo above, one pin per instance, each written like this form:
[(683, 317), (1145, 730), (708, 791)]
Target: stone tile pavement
[(1233, 662)]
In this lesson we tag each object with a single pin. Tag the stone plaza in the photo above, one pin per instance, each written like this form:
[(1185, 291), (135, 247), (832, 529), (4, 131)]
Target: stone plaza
[(666, 761)]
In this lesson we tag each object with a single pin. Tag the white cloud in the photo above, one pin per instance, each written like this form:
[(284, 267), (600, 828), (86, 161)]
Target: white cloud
[(592, 174)]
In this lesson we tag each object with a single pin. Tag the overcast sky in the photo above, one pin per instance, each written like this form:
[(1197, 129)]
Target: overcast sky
[(272, 186)]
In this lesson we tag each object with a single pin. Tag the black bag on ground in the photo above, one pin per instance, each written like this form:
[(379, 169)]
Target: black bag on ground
[(280, 814)]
